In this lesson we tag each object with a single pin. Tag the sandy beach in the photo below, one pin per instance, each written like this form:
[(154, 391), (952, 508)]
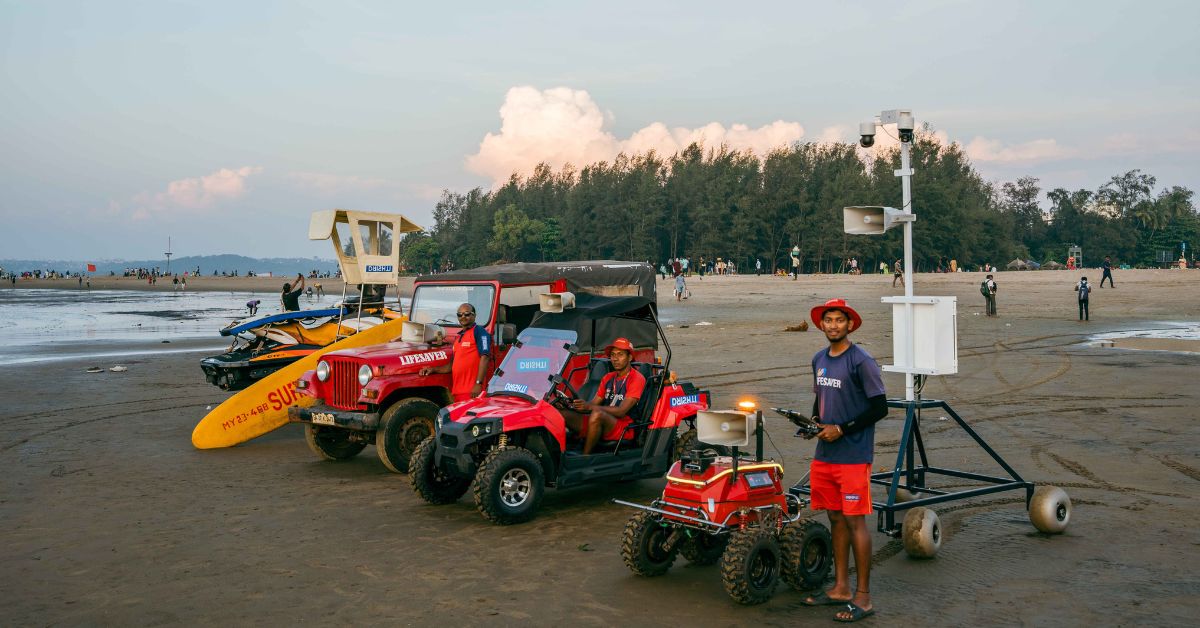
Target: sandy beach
[(111, 517)]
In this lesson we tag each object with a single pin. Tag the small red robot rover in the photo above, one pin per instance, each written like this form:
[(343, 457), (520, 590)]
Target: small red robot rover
[(731, 510)]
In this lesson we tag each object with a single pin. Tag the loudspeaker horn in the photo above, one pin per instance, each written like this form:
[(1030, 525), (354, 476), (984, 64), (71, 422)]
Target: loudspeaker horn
[(419, 332), (556, 302), (728, 428), (871, 220)]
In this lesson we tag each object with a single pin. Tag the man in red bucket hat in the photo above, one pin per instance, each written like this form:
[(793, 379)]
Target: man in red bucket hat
[(608, 412), (849, 400)]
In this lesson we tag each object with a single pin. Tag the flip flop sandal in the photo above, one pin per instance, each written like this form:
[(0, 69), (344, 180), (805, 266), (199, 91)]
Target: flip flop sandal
[(856, 613), (822, 599)]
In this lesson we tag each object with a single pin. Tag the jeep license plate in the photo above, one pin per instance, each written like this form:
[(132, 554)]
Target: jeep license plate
[(323, 418)]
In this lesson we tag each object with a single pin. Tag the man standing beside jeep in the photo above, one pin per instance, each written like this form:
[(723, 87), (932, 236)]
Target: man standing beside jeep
[(471, 358), (849, 400)]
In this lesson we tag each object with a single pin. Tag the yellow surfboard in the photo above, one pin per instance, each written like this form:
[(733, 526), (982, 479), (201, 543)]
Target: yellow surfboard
[(263, 406)]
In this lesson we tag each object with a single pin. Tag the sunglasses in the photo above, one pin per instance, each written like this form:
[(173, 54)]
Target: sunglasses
[(465, 314)]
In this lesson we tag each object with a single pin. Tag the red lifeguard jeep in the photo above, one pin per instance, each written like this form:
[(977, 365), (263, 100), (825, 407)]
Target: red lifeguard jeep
[(509, 444), (376, 395)]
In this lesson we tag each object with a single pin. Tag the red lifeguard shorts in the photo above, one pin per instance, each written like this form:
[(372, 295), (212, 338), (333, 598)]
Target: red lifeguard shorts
[(841, 487)]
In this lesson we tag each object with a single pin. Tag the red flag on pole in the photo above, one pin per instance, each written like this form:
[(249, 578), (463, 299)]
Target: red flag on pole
[(91, 268)]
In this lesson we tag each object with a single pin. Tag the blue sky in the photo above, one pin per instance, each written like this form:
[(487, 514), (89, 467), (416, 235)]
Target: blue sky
[(224, 125)]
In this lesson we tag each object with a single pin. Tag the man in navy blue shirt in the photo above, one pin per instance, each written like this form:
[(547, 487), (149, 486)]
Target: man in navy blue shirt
[(849, 400)]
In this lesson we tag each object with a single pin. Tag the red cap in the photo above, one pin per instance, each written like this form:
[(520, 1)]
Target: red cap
[(836, 304), (619, 343)]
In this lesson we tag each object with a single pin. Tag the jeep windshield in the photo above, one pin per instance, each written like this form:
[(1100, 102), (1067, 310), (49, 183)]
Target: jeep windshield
[(438, 304), (534, 360)]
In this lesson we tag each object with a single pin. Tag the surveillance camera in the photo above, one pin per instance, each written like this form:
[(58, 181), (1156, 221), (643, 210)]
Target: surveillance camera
[(905, 126), (867, 131)]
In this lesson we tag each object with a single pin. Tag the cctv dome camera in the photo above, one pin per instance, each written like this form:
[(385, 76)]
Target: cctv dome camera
[(867, 131), (905, 125)]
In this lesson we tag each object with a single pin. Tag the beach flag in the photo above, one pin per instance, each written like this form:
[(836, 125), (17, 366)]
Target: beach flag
[(91, 268)]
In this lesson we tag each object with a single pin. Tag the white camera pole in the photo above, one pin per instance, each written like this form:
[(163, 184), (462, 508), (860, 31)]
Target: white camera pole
[(905, 173)]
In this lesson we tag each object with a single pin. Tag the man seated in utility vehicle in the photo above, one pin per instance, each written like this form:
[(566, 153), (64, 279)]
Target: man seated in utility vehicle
[(608, 412)]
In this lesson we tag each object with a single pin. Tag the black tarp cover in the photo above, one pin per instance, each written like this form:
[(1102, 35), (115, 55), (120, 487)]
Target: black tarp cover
[(609, 317), (600, 277)]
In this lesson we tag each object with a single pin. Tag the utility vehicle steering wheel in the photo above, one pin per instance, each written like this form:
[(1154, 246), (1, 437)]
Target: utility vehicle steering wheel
[(561, 396)]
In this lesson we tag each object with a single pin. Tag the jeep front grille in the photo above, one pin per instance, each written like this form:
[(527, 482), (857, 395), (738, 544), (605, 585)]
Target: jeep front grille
[(343, 383)]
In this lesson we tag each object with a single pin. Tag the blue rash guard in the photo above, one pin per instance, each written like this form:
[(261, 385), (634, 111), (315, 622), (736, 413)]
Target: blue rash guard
[(843, 384)]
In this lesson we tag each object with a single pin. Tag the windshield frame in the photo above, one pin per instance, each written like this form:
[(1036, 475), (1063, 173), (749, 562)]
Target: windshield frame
[(483, 312), (519, 373)]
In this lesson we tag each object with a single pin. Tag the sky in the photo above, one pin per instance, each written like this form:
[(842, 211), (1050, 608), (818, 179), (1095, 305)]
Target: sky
[(224, 125)]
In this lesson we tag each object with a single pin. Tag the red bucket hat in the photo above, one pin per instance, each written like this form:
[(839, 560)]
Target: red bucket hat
[(836, 304), (619, 343)]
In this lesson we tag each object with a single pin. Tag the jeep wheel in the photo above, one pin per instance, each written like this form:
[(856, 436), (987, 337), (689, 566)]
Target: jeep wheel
[(401, 428), (807, 554), (750, 566), (688, 441), (704, 549), (642, 545), (509, 485), (434, 485), (331, 443)]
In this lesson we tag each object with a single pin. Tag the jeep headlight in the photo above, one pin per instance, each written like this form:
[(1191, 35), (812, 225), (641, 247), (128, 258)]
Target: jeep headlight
[(364, 375), (322, 371)]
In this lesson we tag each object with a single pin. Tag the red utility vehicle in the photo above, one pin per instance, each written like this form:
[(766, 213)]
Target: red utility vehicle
[(509, 444), (376, 394), (732, 510)]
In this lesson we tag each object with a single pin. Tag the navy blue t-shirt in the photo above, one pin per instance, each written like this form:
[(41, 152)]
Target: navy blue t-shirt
[(842, 385)]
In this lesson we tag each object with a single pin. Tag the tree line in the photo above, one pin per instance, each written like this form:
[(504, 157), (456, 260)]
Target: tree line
[(717, 202)]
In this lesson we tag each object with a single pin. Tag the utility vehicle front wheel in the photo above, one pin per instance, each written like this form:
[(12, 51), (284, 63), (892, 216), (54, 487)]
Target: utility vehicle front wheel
[(807, 554), (401, 428), (509, 485), (751, 565), (642, 545), (331, 443), (433, 485)]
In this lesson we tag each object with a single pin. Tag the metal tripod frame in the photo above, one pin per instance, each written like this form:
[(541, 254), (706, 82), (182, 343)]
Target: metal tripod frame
[(912, 464)]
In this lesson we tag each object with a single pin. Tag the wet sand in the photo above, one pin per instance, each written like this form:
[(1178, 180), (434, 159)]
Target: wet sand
[(110, 517)]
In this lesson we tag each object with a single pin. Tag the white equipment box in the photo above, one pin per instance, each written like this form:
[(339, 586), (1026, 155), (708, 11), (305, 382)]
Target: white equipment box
[(935, 335)]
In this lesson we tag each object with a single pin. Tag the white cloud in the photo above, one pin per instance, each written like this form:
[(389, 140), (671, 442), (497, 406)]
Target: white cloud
[(189, 194), (983, 150), (562, 125)]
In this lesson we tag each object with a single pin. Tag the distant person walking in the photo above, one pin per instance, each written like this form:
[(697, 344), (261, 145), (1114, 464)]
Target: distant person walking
[(1084, 291), (897, 273), (757, 266), (182, 283), (795, 268), (290, 296), (1107, 266), (175, 281), (988, 289), (320, 291)]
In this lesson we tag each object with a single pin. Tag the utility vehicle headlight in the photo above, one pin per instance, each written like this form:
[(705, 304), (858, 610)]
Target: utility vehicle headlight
[(483, 428), (364, 375), (322, 371)]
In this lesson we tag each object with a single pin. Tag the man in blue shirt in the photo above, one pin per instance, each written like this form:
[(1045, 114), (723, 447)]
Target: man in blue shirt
[(850, 399)]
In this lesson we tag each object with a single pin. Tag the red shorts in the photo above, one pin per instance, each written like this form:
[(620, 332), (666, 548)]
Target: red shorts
[(841, 487)]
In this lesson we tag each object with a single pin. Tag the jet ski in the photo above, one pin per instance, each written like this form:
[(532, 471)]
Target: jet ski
[(266, 344)]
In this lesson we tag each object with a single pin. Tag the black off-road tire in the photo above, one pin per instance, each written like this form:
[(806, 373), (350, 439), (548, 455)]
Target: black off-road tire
[(704, 549), (401, 428), (509, 485), (807, 554), (641, 545), (751, 565), (434, 485), (331, 443)]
